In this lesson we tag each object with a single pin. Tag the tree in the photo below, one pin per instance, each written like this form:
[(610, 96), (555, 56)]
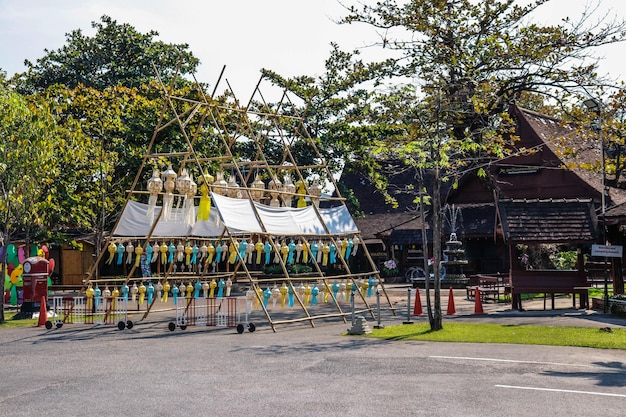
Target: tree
[(31, 160), (116, 55), (104, 87), (467, 61)]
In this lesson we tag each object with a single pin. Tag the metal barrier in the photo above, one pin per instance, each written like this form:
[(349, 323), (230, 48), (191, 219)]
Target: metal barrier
[(89, 310), (216, 312)]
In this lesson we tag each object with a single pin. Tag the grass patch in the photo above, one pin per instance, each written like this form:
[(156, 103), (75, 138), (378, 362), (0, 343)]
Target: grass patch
[(10, 322), (512, 334)]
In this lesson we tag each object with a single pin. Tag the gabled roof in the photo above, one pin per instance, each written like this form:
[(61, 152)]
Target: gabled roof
[(548, 221), (380, 218), (377, 226), (570, 150)]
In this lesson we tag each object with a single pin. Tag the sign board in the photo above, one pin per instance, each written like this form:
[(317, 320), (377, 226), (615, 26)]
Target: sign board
[(607, 251)]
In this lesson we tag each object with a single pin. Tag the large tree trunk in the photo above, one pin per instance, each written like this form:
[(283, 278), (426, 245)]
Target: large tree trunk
[(436, 323), (429, 308)]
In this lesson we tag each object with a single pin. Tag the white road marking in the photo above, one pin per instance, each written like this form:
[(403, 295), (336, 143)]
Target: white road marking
[(512, 361), (606, 394)]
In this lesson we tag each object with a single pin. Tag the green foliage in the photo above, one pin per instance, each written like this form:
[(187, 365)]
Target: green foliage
[(36, 153), (565, 259), (116, 55), (103, 89)]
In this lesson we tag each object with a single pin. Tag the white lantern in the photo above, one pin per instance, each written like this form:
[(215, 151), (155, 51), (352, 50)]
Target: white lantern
[(155, 186), (289, 189), (183, 183), (258, 188), (315, 191), (220, 185), (169, 178), (275, 186), (233, 187)]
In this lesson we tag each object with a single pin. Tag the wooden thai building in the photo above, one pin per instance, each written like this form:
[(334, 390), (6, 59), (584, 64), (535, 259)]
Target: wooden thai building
[(551, 165)]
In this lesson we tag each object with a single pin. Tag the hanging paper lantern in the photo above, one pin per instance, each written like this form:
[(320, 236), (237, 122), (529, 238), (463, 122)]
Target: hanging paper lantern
[(155, 186), (229, 286), (189, 202), (183, 182), (169, 178), (301, 191), (184, 186), (156, 248), (130, 249), (205, 289), (220, 288), (315, 191), (233, 190), (204, 209), (289, 190), (258, 188), (275, 186), (220, 185)]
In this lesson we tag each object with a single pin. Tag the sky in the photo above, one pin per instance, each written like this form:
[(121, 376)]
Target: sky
[(291, 37)]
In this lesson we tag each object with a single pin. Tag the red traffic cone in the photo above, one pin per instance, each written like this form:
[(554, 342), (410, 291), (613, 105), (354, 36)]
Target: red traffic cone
[(478, 303), (43, 313), (417, 309), (451, 307)]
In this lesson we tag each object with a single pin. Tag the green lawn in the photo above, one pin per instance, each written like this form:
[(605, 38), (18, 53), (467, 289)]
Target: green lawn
[(9, 322), (499, 333)]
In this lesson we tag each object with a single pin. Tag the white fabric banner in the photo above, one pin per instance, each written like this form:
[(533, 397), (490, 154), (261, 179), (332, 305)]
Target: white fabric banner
[(238, 215)]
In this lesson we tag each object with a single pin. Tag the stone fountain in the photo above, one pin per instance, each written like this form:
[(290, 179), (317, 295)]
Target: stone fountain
[(454, 254)]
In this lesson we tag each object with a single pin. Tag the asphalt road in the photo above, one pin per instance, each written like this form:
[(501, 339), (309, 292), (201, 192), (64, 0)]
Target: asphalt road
[(85, 370)]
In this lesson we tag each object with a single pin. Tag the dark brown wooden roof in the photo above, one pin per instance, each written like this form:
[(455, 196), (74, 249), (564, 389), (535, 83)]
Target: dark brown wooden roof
[(548, 221), (380, 218), (573, 151), (377, 226)]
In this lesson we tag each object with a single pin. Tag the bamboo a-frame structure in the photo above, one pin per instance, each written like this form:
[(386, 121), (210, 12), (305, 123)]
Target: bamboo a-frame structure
[(252, 143)]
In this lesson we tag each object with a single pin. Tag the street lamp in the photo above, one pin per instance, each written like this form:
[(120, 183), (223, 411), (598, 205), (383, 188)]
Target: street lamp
[(596, 106)]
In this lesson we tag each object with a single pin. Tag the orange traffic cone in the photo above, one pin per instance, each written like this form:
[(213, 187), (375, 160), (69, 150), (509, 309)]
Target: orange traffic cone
[(43, 313), (417, 309), (478, 303), (451, 307)]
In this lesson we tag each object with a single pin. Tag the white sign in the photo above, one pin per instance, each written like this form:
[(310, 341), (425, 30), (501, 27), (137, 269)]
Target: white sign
[(607, 251)]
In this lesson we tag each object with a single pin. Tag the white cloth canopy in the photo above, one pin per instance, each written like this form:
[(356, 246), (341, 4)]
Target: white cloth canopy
[(239, 217)]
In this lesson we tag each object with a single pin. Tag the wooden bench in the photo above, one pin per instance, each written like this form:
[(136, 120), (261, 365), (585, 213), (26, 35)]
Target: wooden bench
[(493, 288), (486, 293), (549, 282)]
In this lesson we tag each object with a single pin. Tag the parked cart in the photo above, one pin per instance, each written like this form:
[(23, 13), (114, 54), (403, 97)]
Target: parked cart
[(89, 310), (218, 312)]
